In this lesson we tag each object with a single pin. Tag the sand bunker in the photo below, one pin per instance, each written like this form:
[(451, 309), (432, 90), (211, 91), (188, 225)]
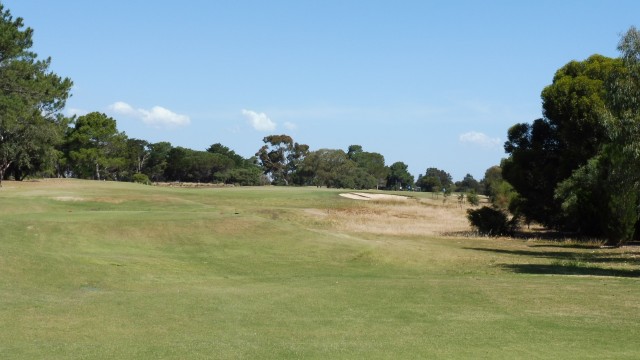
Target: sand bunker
[(368, 196)]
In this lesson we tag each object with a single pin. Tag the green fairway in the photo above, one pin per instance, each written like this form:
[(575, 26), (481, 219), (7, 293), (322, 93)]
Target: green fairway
[(103, 270)]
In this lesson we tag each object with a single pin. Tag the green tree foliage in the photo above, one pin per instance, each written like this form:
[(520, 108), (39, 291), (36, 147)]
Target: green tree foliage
[(372, 162), (186, 165), (435, 180), (573, 105), (333, 169), (31, 98), (280, 157), (546, 152), (500, 193), (141, 179), (473, 198), (584, 198), (245, 176), (137, 154), (157, 161), (399, 177), (490, 221), (244, 171), (238, 160), (353, 151), (492, 176), (468, 183), (578, 169), (619, 158), (97, 150)]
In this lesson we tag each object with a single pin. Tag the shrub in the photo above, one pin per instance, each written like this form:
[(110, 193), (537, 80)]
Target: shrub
[(491, 221), (141, 179), (472, 198)]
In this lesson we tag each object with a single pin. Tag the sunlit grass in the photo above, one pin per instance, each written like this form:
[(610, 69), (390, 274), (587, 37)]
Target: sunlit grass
[(111, 270)]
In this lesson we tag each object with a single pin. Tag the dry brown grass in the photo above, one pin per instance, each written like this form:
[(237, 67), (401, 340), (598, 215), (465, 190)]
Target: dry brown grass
[(414, 217)]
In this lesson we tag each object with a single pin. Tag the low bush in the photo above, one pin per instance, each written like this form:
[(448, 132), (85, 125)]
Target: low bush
[(472, 198), (141, 179), (492, 221)]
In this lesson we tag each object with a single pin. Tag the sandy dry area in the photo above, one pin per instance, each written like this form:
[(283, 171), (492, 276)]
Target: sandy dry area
[(368, 196)]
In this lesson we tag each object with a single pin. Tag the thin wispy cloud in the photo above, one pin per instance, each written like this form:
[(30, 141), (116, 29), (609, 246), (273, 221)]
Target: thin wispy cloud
[(157, 116), (75, 112), (259, 121), (479, 139), (290, 126)]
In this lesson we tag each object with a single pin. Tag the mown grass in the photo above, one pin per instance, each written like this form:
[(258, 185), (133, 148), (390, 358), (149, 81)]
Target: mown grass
[(108, 270)]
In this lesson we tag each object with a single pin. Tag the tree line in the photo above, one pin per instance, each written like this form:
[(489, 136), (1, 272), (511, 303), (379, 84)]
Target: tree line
[(37, 140)]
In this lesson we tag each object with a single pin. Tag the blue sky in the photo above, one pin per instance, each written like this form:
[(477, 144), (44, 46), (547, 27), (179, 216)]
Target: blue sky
[(429, 83)]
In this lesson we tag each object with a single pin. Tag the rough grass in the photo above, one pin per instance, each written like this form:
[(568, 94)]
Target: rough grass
[(108, 270), (397, 217)]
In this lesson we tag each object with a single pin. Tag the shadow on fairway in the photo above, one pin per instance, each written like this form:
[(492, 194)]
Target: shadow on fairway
[(569, 269), (574, 261), (596, 256)]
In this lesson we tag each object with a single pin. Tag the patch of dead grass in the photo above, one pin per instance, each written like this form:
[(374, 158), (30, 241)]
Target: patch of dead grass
[(374, 197), (400, 218)]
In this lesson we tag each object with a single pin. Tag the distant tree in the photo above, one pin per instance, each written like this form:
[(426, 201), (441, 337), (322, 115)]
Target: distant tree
[(157, 161), (245, 176), (280, 156), (429, 183), (468, 183), (238, 160), (96, 147), (243, 171), (353, 151), (187, 165), (399, 177), (492, 177), (137, 154), (373, 163), (322, 167), (333, 169), (31, 98), (435, 180), (500, 193)]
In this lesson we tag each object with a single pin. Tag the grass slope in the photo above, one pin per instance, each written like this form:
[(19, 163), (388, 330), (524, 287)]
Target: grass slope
[(102, 270)]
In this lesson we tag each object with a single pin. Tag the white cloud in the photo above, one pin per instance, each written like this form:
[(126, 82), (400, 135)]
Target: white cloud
[(158, 116), (75, 111), (162, 116), (290, 126), (259, 121), (122, 108), (478, 138)]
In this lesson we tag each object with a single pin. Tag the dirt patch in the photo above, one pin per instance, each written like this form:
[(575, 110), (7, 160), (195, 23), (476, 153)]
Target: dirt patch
[(369, 196)]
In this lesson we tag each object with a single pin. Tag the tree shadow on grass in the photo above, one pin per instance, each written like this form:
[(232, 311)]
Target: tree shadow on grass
[(571, 262), (596, 256), (567, 246), (569, 269)]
